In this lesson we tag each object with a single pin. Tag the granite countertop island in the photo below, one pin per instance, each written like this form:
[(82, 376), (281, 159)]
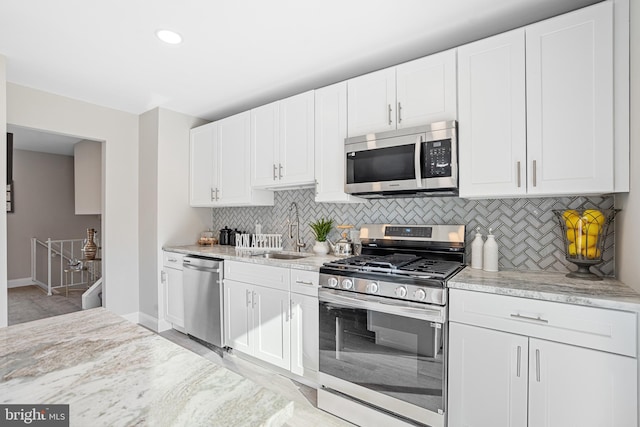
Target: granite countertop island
[(115, 373)]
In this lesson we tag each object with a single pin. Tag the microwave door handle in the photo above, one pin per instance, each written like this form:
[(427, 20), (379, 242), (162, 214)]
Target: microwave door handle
[(416, 161)]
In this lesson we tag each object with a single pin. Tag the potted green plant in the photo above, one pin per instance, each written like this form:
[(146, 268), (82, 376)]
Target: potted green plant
[(321, 229)]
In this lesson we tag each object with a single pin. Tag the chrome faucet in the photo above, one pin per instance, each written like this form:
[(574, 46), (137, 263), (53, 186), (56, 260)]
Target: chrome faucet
[(297, 244)]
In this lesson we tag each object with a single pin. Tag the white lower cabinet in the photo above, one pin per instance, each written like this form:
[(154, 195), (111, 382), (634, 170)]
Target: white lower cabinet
[(173, 300), (304, 323), (518, 378)]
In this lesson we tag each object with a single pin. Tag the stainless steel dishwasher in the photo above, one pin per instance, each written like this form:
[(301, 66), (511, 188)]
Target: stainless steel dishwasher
[(202, 279)]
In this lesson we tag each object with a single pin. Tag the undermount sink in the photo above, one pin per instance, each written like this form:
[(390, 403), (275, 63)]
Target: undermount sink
[(276, 255)]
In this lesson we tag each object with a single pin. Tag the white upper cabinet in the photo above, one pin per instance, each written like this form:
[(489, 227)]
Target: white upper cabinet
[(570, 102), (330, 132), (411, 94), (492, 116), (282, 143), (220, 161), (426, 90), (544, 128), (203, 171)]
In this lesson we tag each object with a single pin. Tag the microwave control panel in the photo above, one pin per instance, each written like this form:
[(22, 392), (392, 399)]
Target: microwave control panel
[(437, 159)]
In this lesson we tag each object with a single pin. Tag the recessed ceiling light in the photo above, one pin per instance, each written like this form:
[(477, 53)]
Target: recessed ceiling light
[(169, 36)]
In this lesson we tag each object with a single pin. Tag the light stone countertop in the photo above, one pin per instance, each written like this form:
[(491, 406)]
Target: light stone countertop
[(115, 373), (549, 286), (310, 262)]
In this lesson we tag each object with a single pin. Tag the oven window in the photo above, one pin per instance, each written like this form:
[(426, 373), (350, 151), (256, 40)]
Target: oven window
[(381, 165), (398, 356)]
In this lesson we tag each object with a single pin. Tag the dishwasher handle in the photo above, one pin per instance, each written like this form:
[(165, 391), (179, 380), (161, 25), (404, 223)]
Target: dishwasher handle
[(203, 264), (195, 267)]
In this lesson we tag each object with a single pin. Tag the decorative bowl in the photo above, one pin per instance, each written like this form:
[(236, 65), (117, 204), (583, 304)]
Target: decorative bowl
[(584, 232)]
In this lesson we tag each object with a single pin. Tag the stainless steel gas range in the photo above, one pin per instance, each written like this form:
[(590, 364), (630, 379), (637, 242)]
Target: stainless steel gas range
[(383, 325)]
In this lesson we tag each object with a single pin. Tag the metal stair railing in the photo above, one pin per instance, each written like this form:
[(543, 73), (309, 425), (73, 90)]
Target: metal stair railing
[(67, 250)]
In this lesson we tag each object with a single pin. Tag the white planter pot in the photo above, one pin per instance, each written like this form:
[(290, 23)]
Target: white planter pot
[(321, 248)]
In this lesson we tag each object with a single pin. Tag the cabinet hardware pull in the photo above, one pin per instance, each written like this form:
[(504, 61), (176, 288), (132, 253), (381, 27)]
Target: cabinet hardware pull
[(253, 299), (248, 297), (519, 175), (535, 319), (163, 277), (537, 365), (518, 366), (275, 172), (280, 170), (172, 260), (535, 178), (399, 113), (302, 282), (212, 199), (390, 114), (216, 194), (290, 309)]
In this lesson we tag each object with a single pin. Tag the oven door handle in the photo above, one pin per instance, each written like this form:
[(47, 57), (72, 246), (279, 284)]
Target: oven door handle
[(368, 303)]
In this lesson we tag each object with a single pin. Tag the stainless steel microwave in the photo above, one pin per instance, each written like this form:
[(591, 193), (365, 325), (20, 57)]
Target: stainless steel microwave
[(418, 161)]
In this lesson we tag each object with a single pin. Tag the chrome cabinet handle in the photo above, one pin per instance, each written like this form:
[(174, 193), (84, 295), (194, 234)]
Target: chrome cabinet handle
[(519, 357), (399, 113), (535, 319), (535, 173), (253, 298), (172, 260), (291, 310), (519, 175), (302, 282), (537, 365), (212, 197), (216, 194), (275, 172), (163, 276), (280, 170), (248, 298), (390, 114)]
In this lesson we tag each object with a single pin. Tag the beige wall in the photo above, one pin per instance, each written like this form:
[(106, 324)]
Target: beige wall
[(628, 221), (87, 177), (43, 183), (3, 196), (119, 130), (165, 214)]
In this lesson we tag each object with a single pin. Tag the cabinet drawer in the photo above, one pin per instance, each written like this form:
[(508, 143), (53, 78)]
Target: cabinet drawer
[(172, 260), (602, 329), (257, 274), (305, 282)]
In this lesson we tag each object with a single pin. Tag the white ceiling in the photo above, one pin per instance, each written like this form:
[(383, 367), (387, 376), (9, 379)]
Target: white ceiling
[(236, 54)]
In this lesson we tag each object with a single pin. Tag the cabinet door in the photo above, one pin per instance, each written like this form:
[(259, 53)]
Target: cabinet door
[(264, 143), (570, 102), (575, 386), (372, 102), (304, 335), (426, 90), (330, 132), (295, 159), (487, 378), (203, 171), (174, 299), (238, 315), (492, 116), (234, 138), (271, 333)]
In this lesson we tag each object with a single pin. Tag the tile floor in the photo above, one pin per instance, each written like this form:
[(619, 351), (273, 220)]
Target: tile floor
[(305, 413)]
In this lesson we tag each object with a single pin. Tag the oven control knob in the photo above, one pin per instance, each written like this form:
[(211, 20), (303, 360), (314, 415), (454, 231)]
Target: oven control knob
[(420, 294), (333, 282), (347, 284), (372, 288), (401, 291)]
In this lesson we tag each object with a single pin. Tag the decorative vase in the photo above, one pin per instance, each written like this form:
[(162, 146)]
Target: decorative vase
[(90, 248), (321, 248)]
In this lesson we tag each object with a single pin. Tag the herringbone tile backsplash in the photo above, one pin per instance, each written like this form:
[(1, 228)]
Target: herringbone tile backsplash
[(526, 230)]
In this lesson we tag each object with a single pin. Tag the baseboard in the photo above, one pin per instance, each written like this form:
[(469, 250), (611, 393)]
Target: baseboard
[(163, 325), (148, 321), (18, 283), (132, 317)]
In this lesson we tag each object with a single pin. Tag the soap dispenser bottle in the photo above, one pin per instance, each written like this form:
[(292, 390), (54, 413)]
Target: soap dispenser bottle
[(490, 253), (477, 248)]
